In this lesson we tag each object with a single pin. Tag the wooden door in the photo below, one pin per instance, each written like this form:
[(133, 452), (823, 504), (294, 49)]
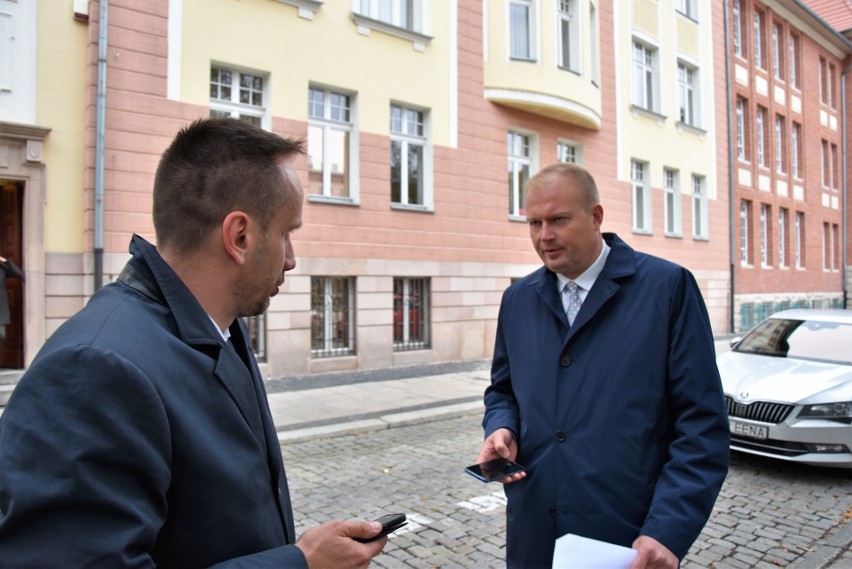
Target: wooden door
[(11, 199)]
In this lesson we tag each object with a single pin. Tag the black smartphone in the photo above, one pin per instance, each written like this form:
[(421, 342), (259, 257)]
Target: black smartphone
[(390, 522), (494, 469)]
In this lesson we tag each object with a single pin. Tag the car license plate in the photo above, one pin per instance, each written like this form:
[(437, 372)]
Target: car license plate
[(749, 430)]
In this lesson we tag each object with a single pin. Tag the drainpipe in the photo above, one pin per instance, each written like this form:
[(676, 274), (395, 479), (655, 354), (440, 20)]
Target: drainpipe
[(100, 127), (731, 205), (843, 199)]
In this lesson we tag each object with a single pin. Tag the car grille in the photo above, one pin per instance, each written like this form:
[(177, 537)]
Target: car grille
[(780, 448), (758, 411)]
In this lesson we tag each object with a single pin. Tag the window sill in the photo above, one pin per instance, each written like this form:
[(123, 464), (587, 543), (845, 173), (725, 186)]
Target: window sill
[(637, 111), (673, 235), (703, 238), (411, 207), (365, 25), (518, 218), (307, 8), (637, 231), (691, 128), (523, 59), (317, 198)]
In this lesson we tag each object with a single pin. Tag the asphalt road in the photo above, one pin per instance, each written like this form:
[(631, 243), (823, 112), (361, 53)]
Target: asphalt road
[(770, 514)]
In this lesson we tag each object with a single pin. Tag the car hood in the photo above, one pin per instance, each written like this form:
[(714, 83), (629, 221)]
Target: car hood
[(751, 377)]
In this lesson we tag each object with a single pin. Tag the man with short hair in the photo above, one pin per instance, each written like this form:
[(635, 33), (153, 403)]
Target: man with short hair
[(604, 386), (141, 435)]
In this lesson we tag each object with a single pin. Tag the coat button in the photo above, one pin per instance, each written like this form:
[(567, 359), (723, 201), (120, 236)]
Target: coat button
[(552, 512), (560, 436), (565, 361)]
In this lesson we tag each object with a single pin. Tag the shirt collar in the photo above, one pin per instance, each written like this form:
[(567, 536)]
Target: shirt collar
[(590, 275)]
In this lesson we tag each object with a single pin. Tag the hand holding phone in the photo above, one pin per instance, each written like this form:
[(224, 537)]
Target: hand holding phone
[(390, 522), (496, 469)]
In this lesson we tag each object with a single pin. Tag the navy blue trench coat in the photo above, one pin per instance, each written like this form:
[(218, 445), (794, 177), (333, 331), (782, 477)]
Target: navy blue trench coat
[(620, 420)]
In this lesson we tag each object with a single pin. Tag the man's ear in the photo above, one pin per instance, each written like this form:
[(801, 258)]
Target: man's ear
[(236, 236)]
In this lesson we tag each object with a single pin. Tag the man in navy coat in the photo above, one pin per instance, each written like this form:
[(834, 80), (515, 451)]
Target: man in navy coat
[(141, 434), (616, 412)]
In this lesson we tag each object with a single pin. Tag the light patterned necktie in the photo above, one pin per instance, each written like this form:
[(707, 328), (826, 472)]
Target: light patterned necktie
[(572, 292)]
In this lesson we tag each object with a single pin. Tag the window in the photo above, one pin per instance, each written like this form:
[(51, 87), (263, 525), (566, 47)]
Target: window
[(520, 165), (593, 42), (331, 144), (780, 144), (745, 222), (800, 237), (409, 157), (567, 152), (699, 208), (758, 40), (406, 14), (830, 82), (257, 335), (569, 35), (796, 150), (687, 8), (829, 165), (783, 220), (237, 94), (641, 197), (777, 52), (835, 246), (765, 216), (644, 77), (794, 60), (742, 149), (411, 314), (671, 202), (827, 257), (760, 132), (738, 29), (332, 316), (823, 80), (835, 164), (521, 29), (687, 94)]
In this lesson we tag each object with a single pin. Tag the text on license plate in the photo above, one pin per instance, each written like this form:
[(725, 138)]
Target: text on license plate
[(749, 430)]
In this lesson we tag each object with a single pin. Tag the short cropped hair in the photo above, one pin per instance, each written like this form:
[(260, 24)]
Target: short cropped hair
[(573, 172), (213, 167)]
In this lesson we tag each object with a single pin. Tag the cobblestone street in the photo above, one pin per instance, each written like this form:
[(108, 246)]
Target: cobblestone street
[(768, 515)]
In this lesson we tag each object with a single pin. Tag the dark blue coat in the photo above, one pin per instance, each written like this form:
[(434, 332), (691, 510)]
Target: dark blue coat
[(621, 420), (138, 438)]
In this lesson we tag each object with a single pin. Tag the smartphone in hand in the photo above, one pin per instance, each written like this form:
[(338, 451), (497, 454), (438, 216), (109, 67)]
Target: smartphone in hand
[(390, 523), (492, 470)]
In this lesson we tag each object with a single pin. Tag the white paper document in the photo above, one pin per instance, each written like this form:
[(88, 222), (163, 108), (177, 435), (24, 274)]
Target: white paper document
[(575, 552)]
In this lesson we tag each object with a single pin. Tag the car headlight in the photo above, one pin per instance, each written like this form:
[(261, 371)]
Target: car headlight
[(842, 410)]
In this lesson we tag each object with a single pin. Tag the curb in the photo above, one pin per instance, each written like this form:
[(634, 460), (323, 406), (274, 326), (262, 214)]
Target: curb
[(826, 551), (380, 423)]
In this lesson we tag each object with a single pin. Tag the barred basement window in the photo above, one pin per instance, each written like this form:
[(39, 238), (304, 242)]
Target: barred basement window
[(257, 335), (332, 316), (411, 314)]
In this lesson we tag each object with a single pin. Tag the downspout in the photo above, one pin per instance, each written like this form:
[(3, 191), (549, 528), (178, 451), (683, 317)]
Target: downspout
[(844, 199), (100, 128), (731, 204)]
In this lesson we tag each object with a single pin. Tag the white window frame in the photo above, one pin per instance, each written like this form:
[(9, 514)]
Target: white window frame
[(645, 76), (765, 212), (783, 215), (760, 136), (689, 109), (758, 40), (794, 61), (777, 56), (672, 217), (800, 221), (825, 164), (827, 257), (688, 8), (328, 323), (640, 196), (328, 124), (795, 150), (738, 27), (568, 16), (594, 48), (232, 105), (780, 140), (699, 208), (531, 30), (412, 132), (521, 150), (741, 146), (569, 152), (404, 14), (744, 236)]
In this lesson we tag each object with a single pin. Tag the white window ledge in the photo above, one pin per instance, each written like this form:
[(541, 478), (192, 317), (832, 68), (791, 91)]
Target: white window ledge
[(307, 8), (365, 24)]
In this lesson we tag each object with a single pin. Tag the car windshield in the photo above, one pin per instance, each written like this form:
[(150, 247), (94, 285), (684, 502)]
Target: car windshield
[(805, 339)]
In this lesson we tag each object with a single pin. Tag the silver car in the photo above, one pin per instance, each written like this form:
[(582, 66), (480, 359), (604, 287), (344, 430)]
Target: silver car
[(788, 385)]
